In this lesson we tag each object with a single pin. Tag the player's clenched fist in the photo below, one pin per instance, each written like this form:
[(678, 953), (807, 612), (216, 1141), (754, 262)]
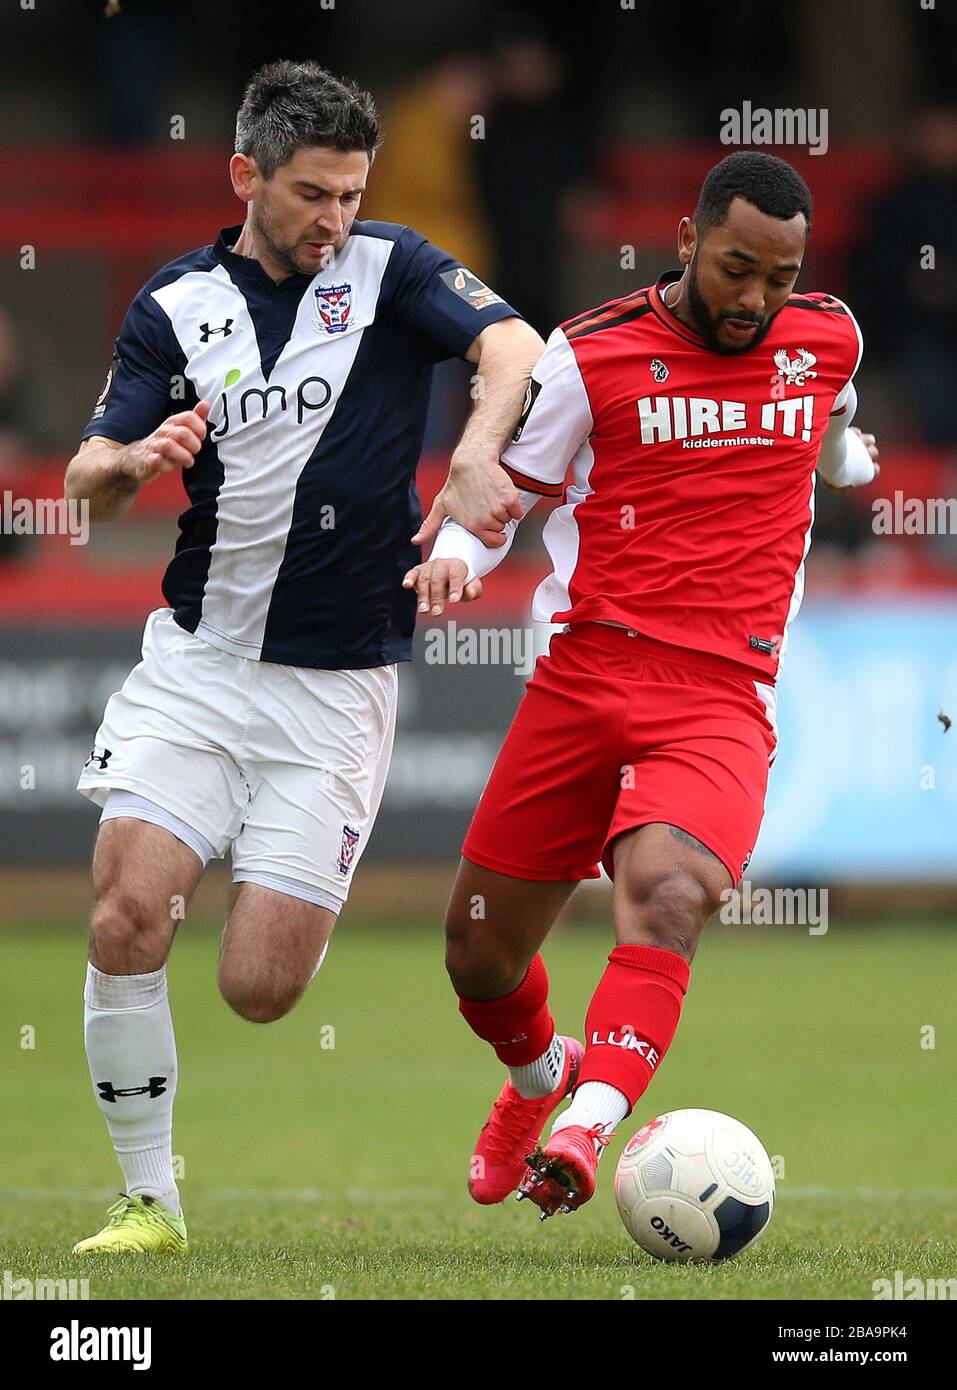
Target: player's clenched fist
[(173, 444), (436, 581)]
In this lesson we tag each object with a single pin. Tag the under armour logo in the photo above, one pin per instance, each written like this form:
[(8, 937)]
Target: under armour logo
[(207, 332), (155, 1087), (99, 755)]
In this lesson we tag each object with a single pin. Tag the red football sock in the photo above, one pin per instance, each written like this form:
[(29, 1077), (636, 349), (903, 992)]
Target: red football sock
[(519, 1025), (632, 1017)]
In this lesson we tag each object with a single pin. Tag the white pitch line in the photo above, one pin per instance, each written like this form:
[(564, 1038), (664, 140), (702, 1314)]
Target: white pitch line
[(869, 1194), (428, 1194), (241, 1194)]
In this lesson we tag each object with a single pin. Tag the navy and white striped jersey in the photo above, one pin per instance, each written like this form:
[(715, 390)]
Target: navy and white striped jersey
[(302, 499)]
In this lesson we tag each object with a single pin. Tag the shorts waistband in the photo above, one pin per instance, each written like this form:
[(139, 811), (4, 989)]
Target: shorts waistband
[(621, 639)]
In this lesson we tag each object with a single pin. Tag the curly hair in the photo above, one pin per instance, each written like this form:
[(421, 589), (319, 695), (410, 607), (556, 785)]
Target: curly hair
[(766, 182)]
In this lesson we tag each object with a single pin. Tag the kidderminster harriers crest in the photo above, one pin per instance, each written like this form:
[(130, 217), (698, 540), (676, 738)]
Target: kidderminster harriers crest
[(333, 307), (795, 370)]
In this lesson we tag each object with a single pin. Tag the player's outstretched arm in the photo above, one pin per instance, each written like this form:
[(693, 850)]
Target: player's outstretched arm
[(108, 475), (478, 493), (453, 572)]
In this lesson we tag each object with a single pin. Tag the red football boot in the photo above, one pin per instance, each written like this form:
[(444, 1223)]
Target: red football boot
[(512, 1128), (561, 1176)]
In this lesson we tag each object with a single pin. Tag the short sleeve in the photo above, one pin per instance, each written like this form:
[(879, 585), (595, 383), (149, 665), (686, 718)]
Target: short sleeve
[(857, 351), (555, 422), (137, 394), (445, 303)]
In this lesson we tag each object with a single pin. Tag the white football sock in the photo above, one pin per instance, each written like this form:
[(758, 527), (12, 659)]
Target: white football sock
[(130, 1047), (594, 1103), (539, 1078)]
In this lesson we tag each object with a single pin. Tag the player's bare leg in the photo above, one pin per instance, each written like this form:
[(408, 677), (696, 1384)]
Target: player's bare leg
[(667, 884), (494, 927), (143, 879), (272, 946)]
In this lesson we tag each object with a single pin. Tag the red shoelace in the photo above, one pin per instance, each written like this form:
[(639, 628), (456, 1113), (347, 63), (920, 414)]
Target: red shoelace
[(509, 1124)]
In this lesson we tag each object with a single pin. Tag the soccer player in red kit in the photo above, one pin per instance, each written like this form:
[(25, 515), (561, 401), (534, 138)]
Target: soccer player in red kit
[(693, 415)]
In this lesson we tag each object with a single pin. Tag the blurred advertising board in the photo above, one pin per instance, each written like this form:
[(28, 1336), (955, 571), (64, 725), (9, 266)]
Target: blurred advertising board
[(864, 786)]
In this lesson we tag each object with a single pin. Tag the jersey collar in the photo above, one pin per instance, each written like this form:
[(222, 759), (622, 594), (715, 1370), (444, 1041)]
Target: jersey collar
[(248, 269), (666, 316)]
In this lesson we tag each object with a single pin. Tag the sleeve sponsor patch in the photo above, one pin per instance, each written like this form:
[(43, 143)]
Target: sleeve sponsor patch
[(100, 407), (531, 395), (469, 288)]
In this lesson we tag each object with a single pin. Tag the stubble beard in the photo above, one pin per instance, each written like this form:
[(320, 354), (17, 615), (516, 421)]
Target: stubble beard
[(264, 229), (707, 325)]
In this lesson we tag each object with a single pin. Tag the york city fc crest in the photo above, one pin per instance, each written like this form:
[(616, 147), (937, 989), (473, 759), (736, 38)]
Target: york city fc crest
[(347, 849), (333, 307)]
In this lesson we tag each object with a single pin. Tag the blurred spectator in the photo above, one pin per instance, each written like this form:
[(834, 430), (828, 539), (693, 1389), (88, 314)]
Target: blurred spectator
[(424, 176), (933, 34), (13, 411), (13, 424), (140, 49), (909, 313), (533, 155)]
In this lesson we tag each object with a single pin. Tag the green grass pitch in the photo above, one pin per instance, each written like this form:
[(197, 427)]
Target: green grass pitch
[(315, 1170)]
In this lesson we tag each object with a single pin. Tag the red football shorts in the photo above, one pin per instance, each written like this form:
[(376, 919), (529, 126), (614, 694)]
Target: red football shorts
[(617, 730)]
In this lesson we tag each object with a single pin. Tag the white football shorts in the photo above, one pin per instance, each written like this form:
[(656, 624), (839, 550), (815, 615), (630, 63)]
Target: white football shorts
[(285, 764)]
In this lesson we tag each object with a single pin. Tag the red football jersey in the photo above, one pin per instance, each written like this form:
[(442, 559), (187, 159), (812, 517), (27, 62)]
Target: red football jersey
[(689, 512)]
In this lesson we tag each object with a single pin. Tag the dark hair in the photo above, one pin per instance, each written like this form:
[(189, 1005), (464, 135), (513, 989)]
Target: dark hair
[(292, 106), (763, 180)]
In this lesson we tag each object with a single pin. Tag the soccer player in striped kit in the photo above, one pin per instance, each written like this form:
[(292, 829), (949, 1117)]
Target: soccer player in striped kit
[(693, 415), (286, 370)]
